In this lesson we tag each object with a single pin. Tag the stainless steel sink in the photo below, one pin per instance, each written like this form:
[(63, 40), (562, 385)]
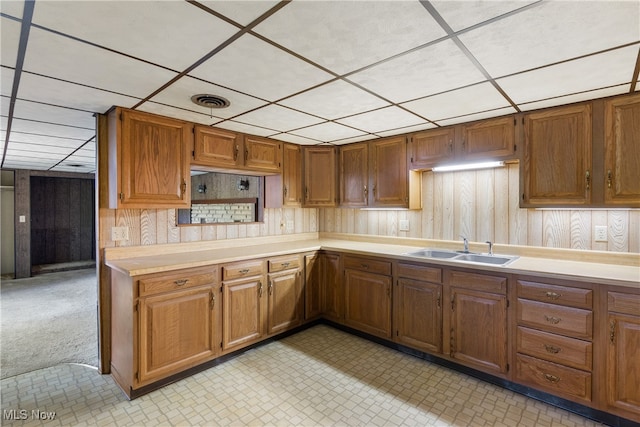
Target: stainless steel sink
[(485, 259), (463, 257), (433, 253)]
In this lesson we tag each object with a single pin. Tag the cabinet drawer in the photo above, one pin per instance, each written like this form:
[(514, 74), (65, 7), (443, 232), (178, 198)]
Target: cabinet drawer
[(555, 348), (573, 322), (370, 265), (173, 282), (563, 295), (479, 282), (242, 269), (419, 272), (284, 263), (624, 303), (554, 378)]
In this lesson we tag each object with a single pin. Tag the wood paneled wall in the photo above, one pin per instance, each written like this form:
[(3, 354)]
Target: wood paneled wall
[(157, 226), (483, 205)]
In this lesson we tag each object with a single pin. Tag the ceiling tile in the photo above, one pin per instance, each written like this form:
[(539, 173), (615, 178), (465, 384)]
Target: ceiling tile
[(37, 139), (346, 35), (6, 81), (10, 38), (553, 31), (28, 126), (571, 77), (408, 129), (326, 132), (578, 97), (468, 100), (243, 12), (295, 139), (5, 102), (478, 116), (260, 69), (13, 8), (334, 100), (464, 14), (381, 120), (173, 34), (179, 95), (245, 128), (52, 91), (178, 113), (83, 169), (51, 114), (366, 137), (61, 57), (25, 150), (278, 118), (431, 70)]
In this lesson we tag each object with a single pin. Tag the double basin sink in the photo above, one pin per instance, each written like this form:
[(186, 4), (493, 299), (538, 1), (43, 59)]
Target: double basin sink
[(471, 257)]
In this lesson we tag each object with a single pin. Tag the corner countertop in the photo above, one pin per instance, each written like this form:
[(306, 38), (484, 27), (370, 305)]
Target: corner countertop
[(586, 266)]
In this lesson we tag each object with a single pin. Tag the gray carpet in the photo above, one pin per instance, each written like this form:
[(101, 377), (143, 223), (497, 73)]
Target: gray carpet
[(47, 320)]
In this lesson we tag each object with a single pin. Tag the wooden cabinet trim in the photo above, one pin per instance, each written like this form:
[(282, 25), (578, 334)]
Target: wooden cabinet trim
[(478, 281), (368, 264), (420, 272)]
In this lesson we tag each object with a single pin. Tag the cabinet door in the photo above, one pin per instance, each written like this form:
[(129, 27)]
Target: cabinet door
[(557, 157), (154, 162), (333, 293), (217, 147), (354, 175), (242, 312), (175, 332), (419, 318), (623, 369), (622, 151), (489, 139), (319, 176), (285, 301), (313, 287), (389, 173), (292, 175), (368, 302), (432, 147), (473, 314), (262, 155)]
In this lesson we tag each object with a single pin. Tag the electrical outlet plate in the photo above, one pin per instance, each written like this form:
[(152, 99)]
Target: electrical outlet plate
[(119, 233), (601, 233), (290, 226), (404, 225)]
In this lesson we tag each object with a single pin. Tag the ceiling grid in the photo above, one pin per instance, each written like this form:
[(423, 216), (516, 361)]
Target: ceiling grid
[(308, 72)]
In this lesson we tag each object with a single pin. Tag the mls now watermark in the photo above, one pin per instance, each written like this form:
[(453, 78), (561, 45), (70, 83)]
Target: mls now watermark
[(23, 414)]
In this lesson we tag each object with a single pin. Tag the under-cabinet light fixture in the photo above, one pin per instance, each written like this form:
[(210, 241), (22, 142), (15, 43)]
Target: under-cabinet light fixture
[(468, 166)]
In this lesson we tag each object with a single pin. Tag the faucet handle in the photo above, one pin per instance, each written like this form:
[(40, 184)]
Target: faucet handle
[(490, 247)]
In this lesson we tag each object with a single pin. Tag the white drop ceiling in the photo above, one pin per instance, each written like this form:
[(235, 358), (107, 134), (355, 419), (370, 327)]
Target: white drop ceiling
[(308, 72)]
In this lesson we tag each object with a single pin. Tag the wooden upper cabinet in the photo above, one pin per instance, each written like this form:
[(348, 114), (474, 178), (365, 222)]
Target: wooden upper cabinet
[(216, 147), (149, 160), (622, 151), (489, 139), (556, 168), (389, 172), (220, 149), (492, 139), (261, 154), (432, 147), (292, 175), (319, 176), (354, 175)]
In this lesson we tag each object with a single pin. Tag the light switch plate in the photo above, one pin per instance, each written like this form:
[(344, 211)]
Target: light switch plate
[(601, 233), (404, 225)]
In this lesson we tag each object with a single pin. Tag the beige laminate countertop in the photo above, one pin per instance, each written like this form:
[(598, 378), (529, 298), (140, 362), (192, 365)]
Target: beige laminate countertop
[(138, 262)]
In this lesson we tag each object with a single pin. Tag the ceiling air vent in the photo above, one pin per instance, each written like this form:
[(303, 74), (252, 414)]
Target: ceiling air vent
[(210, 101)]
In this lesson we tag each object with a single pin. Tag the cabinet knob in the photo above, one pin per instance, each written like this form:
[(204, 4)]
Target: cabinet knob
[(236, 150), (609, 179), (551, 349), (551, 378), (587, 177), (260, 289), (552, 320), (552, 295)]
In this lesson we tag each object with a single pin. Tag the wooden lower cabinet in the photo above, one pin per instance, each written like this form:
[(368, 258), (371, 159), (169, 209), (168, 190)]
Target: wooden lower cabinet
[(285, 300), (332, 287), (367, 297), (313, 289), (623, 353), (418, 307), (478, 321), (242, 312), (176, 332)]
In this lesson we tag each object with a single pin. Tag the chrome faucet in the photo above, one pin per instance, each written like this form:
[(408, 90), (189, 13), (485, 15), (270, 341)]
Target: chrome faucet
[(466, 244), (490, 247)]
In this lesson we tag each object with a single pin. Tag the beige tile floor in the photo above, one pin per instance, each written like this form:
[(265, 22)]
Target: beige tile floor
[(318, 377)]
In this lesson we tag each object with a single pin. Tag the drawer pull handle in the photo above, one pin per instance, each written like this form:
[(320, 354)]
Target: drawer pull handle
[(551, 349), (553, 295), (244, 271), (260, 289), (551, 378), (612, 331), (181, 282), (552, 320), (285, 264), (364, 265)]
